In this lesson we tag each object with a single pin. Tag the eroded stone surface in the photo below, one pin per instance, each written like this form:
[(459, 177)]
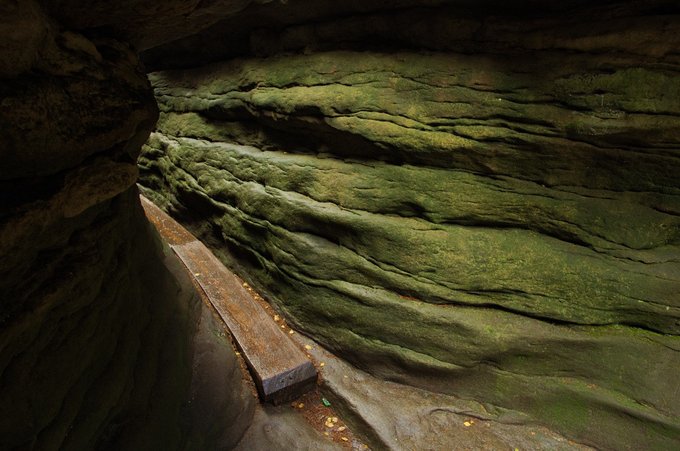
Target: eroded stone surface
[(281, 428), (104, 347), (399, 417), (521, 251), (499, 227), (146, 23), (104, 344), (467, 26)]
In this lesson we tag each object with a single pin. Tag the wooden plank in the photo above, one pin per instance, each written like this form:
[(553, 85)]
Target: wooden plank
[(281, 370), (170, 230), (276, 362)]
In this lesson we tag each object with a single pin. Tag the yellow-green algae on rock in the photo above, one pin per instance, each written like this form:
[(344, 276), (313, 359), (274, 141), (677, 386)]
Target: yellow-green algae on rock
[(505, 229)]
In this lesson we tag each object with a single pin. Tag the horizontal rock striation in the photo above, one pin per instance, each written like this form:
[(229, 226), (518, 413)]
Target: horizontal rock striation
[(461, 26), (498, 220)]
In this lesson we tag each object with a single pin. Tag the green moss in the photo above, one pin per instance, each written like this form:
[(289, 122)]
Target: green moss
[(443, 221)]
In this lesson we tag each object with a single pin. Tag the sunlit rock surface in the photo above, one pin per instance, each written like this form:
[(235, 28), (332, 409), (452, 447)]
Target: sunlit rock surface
[(482, 206)]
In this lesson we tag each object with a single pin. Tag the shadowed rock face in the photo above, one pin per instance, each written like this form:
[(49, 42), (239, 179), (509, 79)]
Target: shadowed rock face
[(145, 23), (104, 344), (496, 217), (104, 347)]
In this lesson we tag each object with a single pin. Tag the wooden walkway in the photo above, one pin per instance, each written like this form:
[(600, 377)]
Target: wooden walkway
[(281, 370)]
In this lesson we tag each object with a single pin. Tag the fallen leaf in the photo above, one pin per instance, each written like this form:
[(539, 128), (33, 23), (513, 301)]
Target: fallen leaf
[(341, 428), (467, 424), (277, 317), (291, 332), (344, 439), (322, 364), (301, 405), (308, 347)]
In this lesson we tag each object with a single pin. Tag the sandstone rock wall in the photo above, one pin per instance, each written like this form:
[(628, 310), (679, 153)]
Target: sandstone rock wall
[(104, 344), (477, 205)]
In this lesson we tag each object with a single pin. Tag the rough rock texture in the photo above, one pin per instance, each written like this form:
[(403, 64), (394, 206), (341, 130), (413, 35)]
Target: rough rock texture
[(278, 427), (462, 26), (104, 343), (489, 210), (393, 416), (103, 347), (145, 23)]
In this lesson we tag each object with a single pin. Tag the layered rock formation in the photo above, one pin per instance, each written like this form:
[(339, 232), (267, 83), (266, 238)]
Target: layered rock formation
[(479, 205), (482, 206)]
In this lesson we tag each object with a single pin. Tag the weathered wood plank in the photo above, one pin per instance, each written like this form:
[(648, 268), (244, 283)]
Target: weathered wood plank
[(276, 362), (171, 231), (281, 371)]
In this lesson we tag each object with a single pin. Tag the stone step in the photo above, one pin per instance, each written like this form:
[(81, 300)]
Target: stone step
[(281, 371)]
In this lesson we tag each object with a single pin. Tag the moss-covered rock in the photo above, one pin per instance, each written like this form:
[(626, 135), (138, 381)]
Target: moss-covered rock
[(505, 229)]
